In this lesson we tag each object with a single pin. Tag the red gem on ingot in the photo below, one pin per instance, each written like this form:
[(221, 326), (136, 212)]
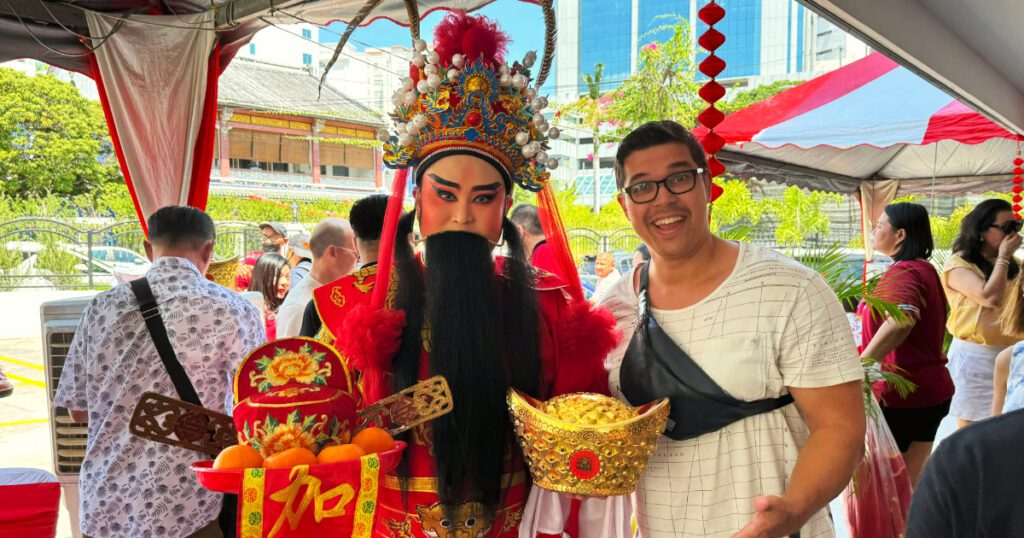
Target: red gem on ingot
[(473, 118)]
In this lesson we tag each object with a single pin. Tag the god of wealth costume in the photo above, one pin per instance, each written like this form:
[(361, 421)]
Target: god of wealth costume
[(463, 475)]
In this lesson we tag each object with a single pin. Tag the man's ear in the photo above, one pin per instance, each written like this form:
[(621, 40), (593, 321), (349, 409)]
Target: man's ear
[(208, 250), (622, 203), (149, 249), (508, 203), (417, 196)]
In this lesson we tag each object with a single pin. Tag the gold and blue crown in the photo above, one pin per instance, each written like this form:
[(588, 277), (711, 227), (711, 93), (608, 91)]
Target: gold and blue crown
[(481, 106)]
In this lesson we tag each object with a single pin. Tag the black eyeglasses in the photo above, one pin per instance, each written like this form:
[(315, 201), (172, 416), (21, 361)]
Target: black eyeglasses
[(677, 183), (1009, 227)]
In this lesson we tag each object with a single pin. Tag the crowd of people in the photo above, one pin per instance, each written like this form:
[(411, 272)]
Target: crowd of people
[(752, 349)]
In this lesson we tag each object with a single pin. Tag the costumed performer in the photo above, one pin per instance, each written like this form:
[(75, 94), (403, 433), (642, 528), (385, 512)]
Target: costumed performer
[(469, 129)]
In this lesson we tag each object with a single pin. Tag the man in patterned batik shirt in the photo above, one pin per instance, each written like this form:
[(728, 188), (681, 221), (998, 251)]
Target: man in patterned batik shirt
[(763, 328), (131, 487)]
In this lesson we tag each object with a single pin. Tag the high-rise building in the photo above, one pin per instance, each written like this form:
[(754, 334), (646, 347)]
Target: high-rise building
[(766, 41)]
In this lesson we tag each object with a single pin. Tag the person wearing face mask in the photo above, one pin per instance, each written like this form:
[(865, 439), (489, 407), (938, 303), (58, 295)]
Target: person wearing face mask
[(975, 280), (913, 345), (274, 239), (753, 350)]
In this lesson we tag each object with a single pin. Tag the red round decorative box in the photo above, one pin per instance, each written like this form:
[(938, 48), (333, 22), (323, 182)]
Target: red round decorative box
[(308, 417)]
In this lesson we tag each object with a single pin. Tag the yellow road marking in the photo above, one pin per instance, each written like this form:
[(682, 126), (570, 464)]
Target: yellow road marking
[(21, 363), (23, 422), (32, 382)]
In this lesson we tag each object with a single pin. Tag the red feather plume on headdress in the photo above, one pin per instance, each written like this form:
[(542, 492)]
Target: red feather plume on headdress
[(473, 36)]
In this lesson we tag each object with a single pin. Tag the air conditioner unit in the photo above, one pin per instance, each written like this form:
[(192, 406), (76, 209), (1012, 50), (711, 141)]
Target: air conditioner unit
[(60, 321)]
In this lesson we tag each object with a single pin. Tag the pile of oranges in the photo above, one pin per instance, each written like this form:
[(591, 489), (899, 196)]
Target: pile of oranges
[(367, 441)]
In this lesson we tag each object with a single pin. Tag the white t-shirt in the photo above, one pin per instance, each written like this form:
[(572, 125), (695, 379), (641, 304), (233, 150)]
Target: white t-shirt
[(772, 324), (289, 314)]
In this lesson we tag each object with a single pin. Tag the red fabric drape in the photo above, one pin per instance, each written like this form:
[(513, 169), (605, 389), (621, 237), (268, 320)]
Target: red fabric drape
[(554, 231), (202, 160), (116, 141)]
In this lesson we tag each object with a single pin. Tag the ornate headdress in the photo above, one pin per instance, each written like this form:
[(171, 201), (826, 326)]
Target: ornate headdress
[(462, 97)]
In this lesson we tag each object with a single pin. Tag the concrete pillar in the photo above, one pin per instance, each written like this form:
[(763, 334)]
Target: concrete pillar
[(225, 150), (314, 150)]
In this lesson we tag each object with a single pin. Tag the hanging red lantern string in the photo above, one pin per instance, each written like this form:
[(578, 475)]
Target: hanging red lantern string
[(1018, 179), (712, 66)]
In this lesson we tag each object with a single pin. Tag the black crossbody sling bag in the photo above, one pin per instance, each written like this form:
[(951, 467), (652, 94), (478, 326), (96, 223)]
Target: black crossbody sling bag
[(654, 367), (182, 384)]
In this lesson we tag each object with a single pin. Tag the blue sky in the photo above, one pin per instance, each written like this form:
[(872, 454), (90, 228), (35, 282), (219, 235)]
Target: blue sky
[(523, 22)]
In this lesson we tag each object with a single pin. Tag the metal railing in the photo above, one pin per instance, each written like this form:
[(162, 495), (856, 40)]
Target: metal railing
[(51, 253)]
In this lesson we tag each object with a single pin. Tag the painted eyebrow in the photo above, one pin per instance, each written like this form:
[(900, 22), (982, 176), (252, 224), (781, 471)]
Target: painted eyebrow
[(444, 182), (492, 187)]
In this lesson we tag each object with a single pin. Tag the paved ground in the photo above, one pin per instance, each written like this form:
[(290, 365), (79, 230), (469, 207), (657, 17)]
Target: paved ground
[(24, 425)]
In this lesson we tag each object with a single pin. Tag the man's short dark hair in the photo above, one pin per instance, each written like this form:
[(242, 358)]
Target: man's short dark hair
[(367, 216), (174, 226), (526, 215), (656, 133)]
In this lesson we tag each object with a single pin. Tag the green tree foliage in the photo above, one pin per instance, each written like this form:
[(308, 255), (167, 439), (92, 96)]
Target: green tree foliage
[(745, 98), (799, 214), (736, 206), (591, 110), (664, 85), (52, 140)]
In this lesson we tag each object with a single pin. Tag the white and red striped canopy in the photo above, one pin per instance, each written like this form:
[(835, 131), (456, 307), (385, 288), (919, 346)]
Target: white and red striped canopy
[(867, 121)]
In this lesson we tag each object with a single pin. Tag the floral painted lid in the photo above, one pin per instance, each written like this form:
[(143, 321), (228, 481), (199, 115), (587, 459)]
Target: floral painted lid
[(294, 362)]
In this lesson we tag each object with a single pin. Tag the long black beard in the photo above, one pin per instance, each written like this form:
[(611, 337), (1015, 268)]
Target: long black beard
[(484, 338)]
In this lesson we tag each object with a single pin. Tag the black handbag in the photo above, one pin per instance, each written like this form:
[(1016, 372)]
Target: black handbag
[(182, 384), (655, 367)]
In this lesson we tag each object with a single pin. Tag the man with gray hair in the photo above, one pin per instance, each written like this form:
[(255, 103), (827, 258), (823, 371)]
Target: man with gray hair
[(334, 255)]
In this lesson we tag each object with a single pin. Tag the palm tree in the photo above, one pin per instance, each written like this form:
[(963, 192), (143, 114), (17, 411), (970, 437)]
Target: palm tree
[(593, 82)]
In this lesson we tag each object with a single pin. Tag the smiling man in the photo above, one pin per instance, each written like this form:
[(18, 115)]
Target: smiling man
[(752, 348)]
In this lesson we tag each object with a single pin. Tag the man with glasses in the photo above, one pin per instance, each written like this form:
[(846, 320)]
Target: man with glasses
[(752, 348), (332, 244)]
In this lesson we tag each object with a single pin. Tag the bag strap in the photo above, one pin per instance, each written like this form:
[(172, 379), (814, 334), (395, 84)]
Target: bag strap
[(155, 324)]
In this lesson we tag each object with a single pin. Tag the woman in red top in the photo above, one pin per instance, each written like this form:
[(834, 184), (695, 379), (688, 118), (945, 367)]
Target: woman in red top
[(915, 344)]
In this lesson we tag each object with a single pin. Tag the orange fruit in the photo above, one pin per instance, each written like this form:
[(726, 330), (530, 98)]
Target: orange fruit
[(336, 453), (374, 440), (286, 459), (238, 457)]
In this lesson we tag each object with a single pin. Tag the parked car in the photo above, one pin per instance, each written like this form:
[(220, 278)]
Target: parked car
[(853, 266), (111, 264)]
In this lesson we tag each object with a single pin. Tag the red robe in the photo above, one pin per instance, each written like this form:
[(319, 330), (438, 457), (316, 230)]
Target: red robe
[(572, 362)]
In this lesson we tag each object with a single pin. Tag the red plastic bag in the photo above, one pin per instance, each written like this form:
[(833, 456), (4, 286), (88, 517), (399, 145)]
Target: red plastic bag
[(878, 498)]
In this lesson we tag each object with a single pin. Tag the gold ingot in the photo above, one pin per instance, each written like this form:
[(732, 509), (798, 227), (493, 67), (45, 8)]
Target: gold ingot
[(585, 443), (223, 271)]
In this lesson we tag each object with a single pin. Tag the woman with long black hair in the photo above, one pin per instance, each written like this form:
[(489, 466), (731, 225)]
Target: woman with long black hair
[(271, 278), (912, 345), (975, 279)]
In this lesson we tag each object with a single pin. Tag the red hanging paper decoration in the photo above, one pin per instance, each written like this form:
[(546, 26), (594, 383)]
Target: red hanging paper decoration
[(712, 91), (1018, 178)]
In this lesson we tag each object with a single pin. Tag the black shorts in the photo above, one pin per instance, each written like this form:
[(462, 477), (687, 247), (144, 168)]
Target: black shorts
[(912, 424)]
